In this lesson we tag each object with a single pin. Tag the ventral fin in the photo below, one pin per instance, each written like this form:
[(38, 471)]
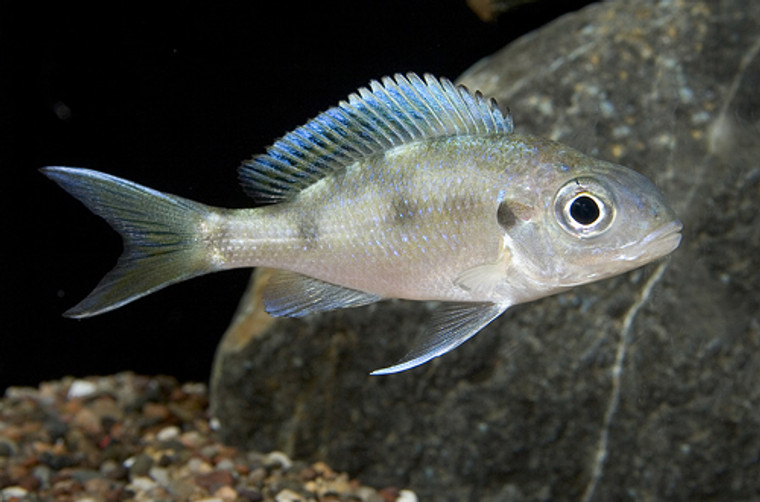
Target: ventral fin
[(392, 112), (451, 326), (289, 294)]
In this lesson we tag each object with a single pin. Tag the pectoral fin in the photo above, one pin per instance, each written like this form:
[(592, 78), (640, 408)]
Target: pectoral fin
[(289, 294), (451, 326), (483, 279)]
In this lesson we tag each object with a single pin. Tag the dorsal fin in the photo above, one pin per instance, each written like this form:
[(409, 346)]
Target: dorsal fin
[(399, 110)]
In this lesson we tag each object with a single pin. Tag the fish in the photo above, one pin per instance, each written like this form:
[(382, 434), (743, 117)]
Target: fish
[(412, 188)]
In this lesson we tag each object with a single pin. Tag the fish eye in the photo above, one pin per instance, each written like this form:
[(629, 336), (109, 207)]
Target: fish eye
[(584, 207)]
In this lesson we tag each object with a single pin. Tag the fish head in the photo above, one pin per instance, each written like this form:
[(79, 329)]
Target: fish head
[(607, 219), (593, 220)]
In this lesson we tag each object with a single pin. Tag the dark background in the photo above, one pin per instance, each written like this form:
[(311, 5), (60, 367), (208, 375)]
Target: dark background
[(174, 98)]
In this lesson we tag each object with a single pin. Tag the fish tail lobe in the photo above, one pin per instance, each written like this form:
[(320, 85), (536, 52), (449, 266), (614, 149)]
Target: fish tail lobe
[(162, 242)]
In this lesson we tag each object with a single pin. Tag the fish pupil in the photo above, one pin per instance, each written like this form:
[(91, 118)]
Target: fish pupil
[(584, 210)]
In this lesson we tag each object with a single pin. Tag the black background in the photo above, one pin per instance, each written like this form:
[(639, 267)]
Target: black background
[(174, 98)]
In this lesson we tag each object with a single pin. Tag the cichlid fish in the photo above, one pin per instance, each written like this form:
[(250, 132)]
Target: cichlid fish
[(413, 188)]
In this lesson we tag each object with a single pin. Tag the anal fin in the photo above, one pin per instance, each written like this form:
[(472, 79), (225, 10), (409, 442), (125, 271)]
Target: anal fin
[(451, 326), (289, 294)]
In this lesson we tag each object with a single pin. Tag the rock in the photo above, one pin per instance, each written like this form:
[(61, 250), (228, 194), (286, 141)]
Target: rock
[(214, 480), (43, 474), (12, 492), (289, 496), (226, 493), (277, 459), (81, 389), (7, 447), (168, 433), (251, 495), (643, 386), (407, 496), (139, 465)]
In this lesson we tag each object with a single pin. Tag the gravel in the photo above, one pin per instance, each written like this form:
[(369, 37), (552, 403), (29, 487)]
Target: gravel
[(131, 437)]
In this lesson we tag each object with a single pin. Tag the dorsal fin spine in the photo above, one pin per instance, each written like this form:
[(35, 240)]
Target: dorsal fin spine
[(357, 109), (365, 131), (449, 94), (367, 102), (405, 128), (436, 109), (421, 104), (376, 121), (287, 162), (449, 104), (470, 107), (315, 143), (489, 119), (415, 119), (331, 125)]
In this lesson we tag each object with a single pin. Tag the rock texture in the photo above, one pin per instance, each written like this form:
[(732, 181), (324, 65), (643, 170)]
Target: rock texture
[(640, 387)]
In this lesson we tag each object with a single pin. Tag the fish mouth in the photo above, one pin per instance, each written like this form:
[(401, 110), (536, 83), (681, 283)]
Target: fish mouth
[(662, 241)]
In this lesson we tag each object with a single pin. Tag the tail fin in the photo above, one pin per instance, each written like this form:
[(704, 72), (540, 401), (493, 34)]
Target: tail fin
[(160, 232)]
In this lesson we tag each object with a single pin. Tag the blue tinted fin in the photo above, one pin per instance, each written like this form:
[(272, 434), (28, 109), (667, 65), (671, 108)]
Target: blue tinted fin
[(392, 112), (160, 233), (451, 326), (288, 294)]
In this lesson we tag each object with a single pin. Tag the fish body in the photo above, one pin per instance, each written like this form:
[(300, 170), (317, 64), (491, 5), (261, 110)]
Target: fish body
[(412, 189), (400, 225)]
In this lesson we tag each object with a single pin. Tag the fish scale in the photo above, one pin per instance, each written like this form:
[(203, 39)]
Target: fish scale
[(412, 188)]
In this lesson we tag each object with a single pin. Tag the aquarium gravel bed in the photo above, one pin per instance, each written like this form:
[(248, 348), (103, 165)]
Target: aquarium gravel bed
[(131, 437)]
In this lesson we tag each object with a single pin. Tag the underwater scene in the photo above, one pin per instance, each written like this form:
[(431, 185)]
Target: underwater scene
[(465, 251)]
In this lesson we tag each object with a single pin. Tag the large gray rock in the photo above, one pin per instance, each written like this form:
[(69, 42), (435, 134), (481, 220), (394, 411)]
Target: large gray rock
[(643, 387)]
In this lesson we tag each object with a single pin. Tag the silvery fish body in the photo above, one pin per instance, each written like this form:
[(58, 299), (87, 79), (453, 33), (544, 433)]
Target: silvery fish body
[(412, 189)]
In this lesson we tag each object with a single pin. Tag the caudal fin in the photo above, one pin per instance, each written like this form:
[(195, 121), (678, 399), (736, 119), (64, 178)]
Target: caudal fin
[(160, 232)]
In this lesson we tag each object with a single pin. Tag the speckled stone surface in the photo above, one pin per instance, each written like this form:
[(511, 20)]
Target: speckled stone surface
[(642, 387)]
